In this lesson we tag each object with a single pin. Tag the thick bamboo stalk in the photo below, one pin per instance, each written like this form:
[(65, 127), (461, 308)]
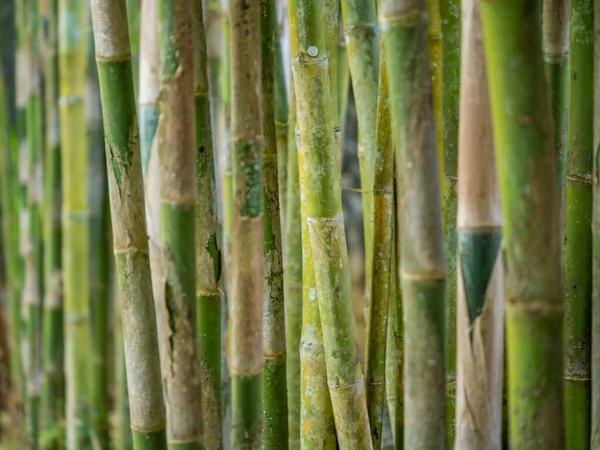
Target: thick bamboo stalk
[(362, 44), (450, 75), (555, 45), (480, 330), (53, 390), (293, 282), (320, 183), (76, 251), (130, 244), (422, 260), (578, 236), (274, 384), (177, 181), (247, 238), (208, 253), (383, 207), (527, 169)]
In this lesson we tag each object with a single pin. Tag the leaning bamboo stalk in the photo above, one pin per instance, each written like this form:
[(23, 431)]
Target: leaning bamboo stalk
[(130, 244), (274, 384), (422, 266), (320, 183), (247, 239), (293, 282), (527, 168), (208, 253), (480, 330), (383, 206), (362, 44), (74, 167), (578, 236), (177, 194), (53, 391)]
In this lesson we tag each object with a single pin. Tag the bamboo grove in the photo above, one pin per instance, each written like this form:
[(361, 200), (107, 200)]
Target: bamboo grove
[(300, 224)]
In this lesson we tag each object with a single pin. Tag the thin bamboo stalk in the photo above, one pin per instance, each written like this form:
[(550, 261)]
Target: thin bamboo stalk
[(130, 244), (208, 253), (177, 161), (247, 216), (527, 168), (76, 229), (320, 184), (281, 126), (362, 44), (422, 261), (578, 236), (343, 81), (293, 283), (53, 390), (383, 207), (274, 385), (134, 15), (480, 273), (331, 23)]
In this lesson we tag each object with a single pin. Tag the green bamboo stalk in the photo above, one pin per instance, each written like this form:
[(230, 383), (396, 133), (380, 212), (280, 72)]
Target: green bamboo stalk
[(99, 223), (214, 49), (33, 250), (390, 359), (320, 183), (293, 283), (177, 157), (134, 15), (274, 384), (331, 23), (130, 243), (343, 81), (247, 239), (450, 80), (362, 41), (555, 45), (281, 126), (53, 390), (480, 273), (527, 169), (208, 253), (578, 242), (73, 15), (422, 261), (383, 205)]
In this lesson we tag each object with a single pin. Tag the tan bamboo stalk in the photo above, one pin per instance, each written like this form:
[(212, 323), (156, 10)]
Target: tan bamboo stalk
[(480, 324)]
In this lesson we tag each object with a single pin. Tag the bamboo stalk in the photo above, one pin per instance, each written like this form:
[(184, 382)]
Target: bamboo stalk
[(53, 390), (480, 273), (422, 260), (293, 283), (247, 216), (177, 156), (362, 44), (320, 183), (134, 15), (450, 75), (578, 242), (208, 253), (130, 245), (76, 229), (383, 205), (331, 23), (527, 169), (343, 81), (274, 384), (281, 126)]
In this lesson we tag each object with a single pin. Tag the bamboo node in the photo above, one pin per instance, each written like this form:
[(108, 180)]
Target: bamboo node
[(540, 308), (344, 387), (149, 429), (68, 100), (335, 220), (405, 19), (273, 356), (125, 57), (201, 93), (576, 378), (255, 371), (580, 178)]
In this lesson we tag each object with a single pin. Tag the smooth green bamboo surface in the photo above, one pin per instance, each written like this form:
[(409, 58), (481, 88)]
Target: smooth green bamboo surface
[(247, 258), (422, 266), (293, 282), (320, 184), (451, 48), (130, 243), (555, 45), (331, 23), (343, 82), (578, 241), (281, 126), (383, 206), (177, 175), (274, 383), (53, 389), (527, 168), (73, 15), (362, 45), (208, 253)]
